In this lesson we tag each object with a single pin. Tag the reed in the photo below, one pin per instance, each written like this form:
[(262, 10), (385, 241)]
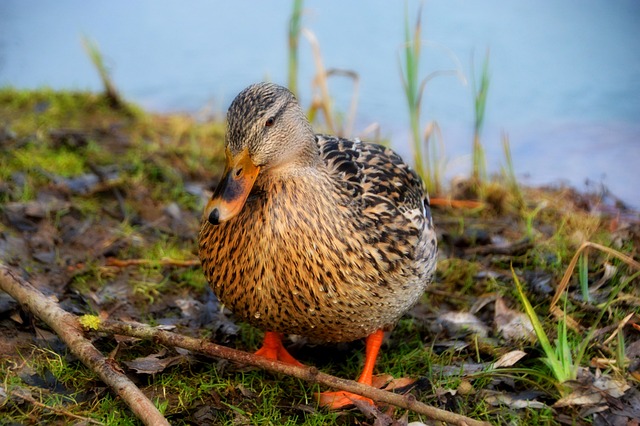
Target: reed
[(428, 158), (322, 100), (413, 89), (295, 26), (110, 91), (508, 173), (479, 166)]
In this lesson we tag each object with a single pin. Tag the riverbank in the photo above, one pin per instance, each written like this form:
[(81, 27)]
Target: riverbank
[(101, 206)]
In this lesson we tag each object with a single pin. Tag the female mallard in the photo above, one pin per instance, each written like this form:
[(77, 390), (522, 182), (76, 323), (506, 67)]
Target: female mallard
[(313, 235)]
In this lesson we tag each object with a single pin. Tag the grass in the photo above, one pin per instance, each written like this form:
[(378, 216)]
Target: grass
[(479, 166), (295, 25), (509, 174), (558, 358), (110, 91), (429, 163), (414, 90), (565, 357)]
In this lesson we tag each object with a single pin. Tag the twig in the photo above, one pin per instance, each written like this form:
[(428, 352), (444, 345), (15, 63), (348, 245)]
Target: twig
[(514, 249), (67, 327), (456, 204), (310, 374), (123, 263), (59, 411)]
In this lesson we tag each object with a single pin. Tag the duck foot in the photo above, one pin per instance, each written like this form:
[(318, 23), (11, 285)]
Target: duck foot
[(272, 348), (339, 400)]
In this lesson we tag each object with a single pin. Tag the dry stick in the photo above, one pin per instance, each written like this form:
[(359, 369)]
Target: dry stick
[(456, 204), (165, 261), (59, 411), (309, 374), (67, 327)]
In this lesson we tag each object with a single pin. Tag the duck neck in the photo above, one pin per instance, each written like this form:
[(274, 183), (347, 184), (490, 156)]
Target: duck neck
[(305, 156)]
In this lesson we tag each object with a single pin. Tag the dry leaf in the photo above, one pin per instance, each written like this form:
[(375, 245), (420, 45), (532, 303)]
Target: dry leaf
[(153, 363), (509, 359), (512, 324), (514, 401), (595, 392), (462, 323)]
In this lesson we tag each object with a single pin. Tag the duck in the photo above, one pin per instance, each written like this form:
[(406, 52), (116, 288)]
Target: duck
[(314, 235)]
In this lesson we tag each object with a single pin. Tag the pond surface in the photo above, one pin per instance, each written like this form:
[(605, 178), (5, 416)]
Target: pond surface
[(565, 75)]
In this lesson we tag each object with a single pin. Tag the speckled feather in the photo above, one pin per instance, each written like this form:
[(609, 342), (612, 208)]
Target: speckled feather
[(334, 248)]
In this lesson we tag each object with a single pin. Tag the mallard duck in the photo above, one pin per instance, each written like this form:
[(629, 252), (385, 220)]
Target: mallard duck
[(313, 235)]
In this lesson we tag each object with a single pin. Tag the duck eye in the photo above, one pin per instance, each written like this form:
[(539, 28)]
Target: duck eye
[(269, 122)]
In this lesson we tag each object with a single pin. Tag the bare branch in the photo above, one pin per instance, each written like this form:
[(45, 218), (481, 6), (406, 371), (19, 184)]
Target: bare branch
[(67, 327), (309, 374)]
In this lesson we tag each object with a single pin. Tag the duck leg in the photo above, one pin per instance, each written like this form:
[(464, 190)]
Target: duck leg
[(273, 348), (341, 399)]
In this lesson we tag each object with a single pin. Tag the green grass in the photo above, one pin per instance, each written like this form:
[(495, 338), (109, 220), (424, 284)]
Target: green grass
[(295, 24), (426, 142), (413, 90), (567, 353), (479, 166)]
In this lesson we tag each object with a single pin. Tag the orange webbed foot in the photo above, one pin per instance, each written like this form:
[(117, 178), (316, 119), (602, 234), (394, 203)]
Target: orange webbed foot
[(341, 399), (272, 348)]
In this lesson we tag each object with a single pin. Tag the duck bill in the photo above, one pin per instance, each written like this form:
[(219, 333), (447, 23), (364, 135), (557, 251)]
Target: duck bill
[(231, 194)]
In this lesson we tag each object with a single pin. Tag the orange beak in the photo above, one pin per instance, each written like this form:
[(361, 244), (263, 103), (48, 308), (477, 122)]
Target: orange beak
[(231, 194)]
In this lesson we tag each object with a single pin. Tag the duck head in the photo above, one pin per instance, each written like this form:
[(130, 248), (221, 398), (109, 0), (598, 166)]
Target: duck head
[(267, 133)]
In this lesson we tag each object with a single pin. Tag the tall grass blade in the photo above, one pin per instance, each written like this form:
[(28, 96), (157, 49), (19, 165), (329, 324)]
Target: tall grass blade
[(110, 91), (411, 84), (552, 358), (323, 101), (425, 153), (294, 39), (479, 170), (509, 172), (583, 274)]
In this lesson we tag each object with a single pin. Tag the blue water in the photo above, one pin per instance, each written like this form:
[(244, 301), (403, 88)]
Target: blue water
[(565, 74)]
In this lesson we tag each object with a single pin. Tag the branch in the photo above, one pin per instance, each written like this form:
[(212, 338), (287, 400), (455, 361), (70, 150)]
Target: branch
[(67, 327), (309, 374), (70, 331), (58, 411), (165, 261)]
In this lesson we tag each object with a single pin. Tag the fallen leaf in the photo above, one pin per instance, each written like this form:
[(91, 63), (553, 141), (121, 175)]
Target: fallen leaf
[(509, 359), (515, 401), (612, 386), (462, 323), (582, 396), (465, 388), (511, 324), (153, 363), (594, 393), (387, 382)]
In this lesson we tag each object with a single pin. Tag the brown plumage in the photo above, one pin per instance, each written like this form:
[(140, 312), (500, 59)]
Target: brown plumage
[(310, 234)]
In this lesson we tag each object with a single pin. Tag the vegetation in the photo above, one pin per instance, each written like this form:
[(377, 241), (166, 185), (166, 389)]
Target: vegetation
[(87, 186)]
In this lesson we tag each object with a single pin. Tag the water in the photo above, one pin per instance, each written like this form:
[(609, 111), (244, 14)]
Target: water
[(565, 75)]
